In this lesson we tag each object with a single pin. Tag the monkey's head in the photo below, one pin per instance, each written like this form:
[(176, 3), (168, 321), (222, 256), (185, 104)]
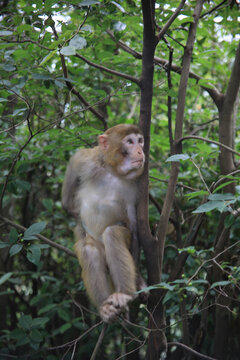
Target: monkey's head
[(122, 147)]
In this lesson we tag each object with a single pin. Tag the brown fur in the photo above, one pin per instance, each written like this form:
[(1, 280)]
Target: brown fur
[(104, 204)]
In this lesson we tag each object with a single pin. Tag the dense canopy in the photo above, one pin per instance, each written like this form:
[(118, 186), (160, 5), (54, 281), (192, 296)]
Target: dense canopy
[(70, 70)]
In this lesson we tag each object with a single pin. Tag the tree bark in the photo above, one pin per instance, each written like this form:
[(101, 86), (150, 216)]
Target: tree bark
[(226, 132), (156, 339)]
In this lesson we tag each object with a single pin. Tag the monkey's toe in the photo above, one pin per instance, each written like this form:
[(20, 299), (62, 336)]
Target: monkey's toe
[(119, 300), (114, 305), (108, 312)]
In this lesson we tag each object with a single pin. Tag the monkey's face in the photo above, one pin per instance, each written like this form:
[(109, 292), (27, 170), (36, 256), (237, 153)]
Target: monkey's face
[(133, 156), (122, 146)]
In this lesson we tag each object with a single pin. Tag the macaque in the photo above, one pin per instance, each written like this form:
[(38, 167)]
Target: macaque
[(100, 189)]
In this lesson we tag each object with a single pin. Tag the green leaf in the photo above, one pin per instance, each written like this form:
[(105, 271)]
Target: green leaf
[(223, 197), (5, 277), (48, 204), (88, 2), (38, 76), (223, 185), (65, 327), (13, 235), (5, 33), (229, 221), (24, 185), (180, 281), (25, 322), (178, 157), (189, 250), (36, 336), (200, 281), (220, 283), (4, 245), (64, 314), (9, 67), (15, 249), (33, 230), (211, 205), (19, 111), (196, 193), (39, 322), (23, 340), (34, 254), (48, 57), (162, 285), (148, 288), (47, 308), (78, 42), (206, 83), (68, 50)]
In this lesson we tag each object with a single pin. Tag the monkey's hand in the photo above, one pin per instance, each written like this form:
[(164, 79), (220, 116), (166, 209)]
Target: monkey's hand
[(114, 305)]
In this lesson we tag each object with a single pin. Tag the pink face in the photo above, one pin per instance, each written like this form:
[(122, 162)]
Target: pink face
[(132, 149)]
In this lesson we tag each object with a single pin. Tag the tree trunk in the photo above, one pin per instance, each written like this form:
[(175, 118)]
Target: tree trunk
[(226, 131)]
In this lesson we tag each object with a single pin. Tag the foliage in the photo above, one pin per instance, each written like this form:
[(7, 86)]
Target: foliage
[(65, 77)]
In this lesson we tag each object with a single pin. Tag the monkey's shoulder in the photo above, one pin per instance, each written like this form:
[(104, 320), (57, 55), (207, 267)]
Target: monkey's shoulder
[(87, 163)]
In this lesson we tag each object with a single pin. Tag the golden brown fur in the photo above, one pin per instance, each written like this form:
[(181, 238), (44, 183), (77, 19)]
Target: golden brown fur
[(100, 190)]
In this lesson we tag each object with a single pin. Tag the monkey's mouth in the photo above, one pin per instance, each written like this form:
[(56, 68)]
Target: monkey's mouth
[(138, 163)]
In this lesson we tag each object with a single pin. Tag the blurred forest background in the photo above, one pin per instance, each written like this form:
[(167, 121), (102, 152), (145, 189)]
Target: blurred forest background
[(69, 70)]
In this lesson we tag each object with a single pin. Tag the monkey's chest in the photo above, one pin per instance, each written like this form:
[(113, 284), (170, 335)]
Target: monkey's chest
[(103, 205)]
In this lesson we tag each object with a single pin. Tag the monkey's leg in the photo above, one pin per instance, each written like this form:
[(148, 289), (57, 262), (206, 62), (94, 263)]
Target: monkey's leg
[(121, 265), (94, 271), (95, 276)]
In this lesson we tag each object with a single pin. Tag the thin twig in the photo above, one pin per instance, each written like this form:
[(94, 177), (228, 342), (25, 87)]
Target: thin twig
[(170, 101), (72, 342), (178, 184), (171, 20), (213, 9), (72, 88), (110, 71), (212, 259), (213, 92), (99, 342), (209, 141), (175, 343), (26, 41), (222, 179), (200, 174), (40, 237)]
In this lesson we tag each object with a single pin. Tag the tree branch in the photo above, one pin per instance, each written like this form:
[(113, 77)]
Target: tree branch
[(234, 83), (175, 343), (213, 92), (40, 237), (74, 91), (99, 342), (170, 20), (110, 71), (163, 223), (211, 142)]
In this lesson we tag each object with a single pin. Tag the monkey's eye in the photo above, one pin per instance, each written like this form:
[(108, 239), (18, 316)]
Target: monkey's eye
[(130, 141), (140, 140)]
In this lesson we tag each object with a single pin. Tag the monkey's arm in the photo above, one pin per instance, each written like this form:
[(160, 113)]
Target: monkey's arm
[(70, 184), (80, 168), (72, 181)]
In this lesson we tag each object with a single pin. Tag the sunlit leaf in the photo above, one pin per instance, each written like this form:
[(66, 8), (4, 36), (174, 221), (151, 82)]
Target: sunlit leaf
[(178, 157)]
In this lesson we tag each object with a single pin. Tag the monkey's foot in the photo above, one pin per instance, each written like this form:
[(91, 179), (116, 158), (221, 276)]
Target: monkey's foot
[(114, 305)]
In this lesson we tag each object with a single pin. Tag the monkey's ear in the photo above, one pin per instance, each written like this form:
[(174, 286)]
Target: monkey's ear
[(103, 142)]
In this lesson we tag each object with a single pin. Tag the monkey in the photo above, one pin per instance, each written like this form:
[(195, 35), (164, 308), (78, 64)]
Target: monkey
[(100, 190)]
